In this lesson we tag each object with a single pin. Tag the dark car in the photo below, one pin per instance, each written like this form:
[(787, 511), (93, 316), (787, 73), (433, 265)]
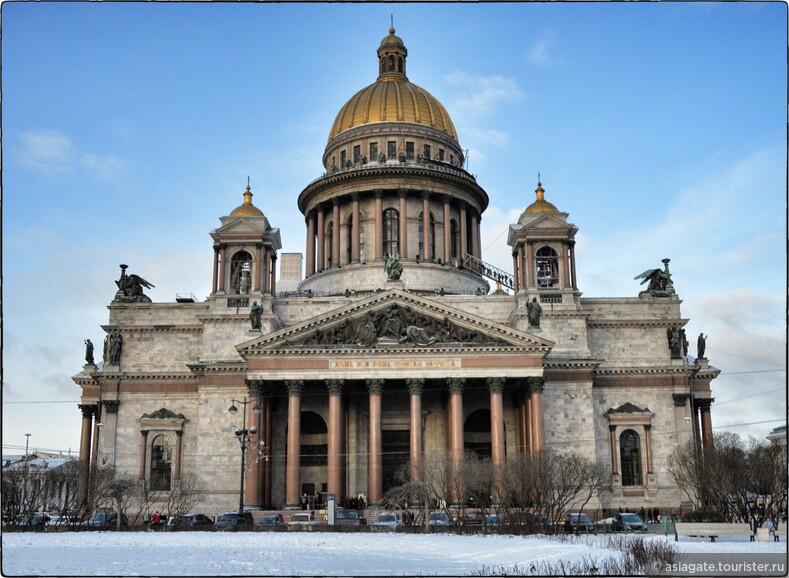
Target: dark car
[(577, 523), (348, 518), (191, 521), (103, 519), (233, 519), (627, 522), (34, 519), (271, 520)]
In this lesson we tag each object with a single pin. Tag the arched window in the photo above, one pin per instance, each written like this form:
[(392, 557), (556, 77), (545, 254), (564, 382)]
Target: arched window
[(161, 460), (391, 64), (314, 440), (241, 273), (547, 267), (399, 64), (454, 239), (431, 252), (391, 232), (383, 64), (630, 458)]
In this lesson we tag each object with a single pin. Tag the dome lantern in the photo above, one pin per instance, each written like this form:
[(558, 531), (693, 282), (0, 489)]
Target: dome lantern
[(391, 58), (247, 209)]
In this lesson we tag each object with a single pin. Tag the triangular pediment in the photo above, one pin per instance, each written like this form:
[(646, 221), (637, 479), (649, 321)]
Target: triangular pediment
[(394, 321), (242, 226)]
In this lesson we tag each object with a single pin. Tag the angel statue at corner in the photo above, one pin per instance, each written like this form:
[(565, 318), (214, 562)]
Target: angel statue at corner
[(130, 288), (660, 284), (393, 266)]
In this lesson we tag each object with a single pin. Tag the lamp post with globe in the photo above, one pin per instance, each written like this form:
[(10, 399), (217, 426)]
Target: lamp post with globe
[(244, 436)]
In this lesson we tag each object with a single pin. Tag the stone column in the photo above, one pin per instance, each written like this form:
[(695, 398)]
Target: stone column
[(143, 452), (335, 446), (536, 385), (335, 237), (311, 244), (321, 240), (84, 453), (375, 450), (475, 236), (293, 465), (267, 409), (94, 449), (215, 269), (463, 233), (530, 273), (425, 226), (496, 387), (222, 255), (572, 264), (253, 479), (403, 245), (614, 460), (179, 442), (527, 418), (415, 386), (356, 228), (704, 405), (266, 270), (379, 224), (456, 449), (522, 431), (259, 269), (648, 436), (447, 232), (273, 272), (516, 272)]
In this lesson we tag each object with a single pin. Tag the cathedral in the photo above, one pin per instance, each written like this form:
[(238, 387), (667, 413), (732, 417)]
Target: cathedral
[(399, 341)]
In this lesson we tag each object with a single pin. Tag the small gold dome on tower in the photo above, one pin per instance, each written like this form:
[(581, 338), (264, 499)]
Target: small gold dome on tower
[(247, 209), (541, 205)]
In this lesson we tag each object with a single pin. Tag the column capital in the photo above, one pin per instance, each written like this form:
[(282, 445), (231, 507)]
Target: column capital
[(455, 384), (335, 386), (294, 386), (402, 193), (375, 386), (680, 399), (535, 384), (496, 384), (355, 196), (378, 193), (88, 410), (704, 403), (425, 195), (110, 405), (612, 428), (415, 385), (647, 426)]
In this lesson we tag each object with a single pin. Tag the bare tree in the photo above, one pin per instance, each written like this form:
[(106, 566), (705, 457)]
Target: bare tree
[(185, 493)]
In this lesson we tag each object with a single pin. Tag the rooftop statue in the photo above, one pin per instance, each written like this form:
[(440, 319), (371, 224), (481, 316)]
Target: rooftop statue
[(130, 288), (660, 284), (394, 268)]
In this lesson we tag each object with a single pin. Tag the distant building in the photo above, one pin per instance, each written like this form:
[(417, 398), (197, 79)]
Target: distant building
[(392, 347), (778, 436)]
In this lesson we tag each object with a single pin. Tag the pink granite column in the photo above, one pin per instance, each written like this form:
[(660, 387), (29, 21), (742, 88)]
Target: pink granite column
[(293, 464), (415, 386), (335, 445), (375, 450)]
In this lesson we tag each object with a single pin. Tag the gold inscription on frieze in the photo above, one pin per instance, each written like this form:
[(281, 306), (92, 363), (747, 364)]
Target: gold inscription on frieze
[(394, 363)]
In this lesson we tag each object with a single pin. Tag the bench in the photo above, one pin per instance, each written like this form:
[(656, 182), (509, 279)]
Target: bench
[(713, 530), (763, 534)]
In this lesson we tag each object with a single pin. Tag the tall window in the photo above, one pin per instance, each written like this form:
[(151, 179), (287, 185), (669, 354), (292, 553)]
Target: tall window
[(630, 456), (391, 232), (161, 459), (343, 158), (391, 149), (241, 273), (373, 151), (426, 151), (409, 151), (357, 154), (391, 64), (431, 252), (547, 267)]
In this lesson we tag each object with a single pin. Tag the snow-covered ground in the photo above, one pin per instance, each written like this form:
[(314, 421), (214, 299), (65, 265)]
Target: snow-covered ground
[(307, 553)]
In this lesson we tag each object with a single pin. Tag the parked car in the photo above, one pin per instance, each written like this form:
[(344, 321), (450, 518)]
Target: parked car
[(234, 520), (271, 520), (105, 519), (577, 523), (390, 519), (64, 521), (348, 518), (476, 518), (34, 519), (439, 519), (492, 520), (627, 522), (527, 522), (191, 521), (303, 520)]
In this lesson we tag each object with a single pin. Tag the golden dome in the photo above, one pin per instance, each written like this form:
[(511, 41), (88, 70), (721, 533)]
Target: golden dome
[(541, 205), (392, 98), (247, 209)]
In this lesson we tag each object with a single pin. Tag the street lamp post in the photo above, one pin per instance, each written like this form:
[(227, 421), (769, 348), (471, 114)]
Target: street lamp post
[(244, 436)]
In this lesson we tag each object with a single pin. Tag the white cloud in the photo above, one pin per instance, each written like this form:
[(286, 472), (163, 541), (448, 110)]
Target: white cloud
[(103, 167), (480, 94), (49, 151), (494, 137), (539, 55)]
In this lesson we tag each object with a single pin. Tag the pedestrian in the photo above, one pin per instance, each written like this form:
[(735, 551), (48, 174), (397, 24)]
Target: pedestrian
[(754, 527), (656, 515)]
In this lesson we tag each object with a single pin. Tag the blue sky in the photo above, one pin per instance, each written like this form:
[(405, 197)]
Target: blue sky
[(130, 128)]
